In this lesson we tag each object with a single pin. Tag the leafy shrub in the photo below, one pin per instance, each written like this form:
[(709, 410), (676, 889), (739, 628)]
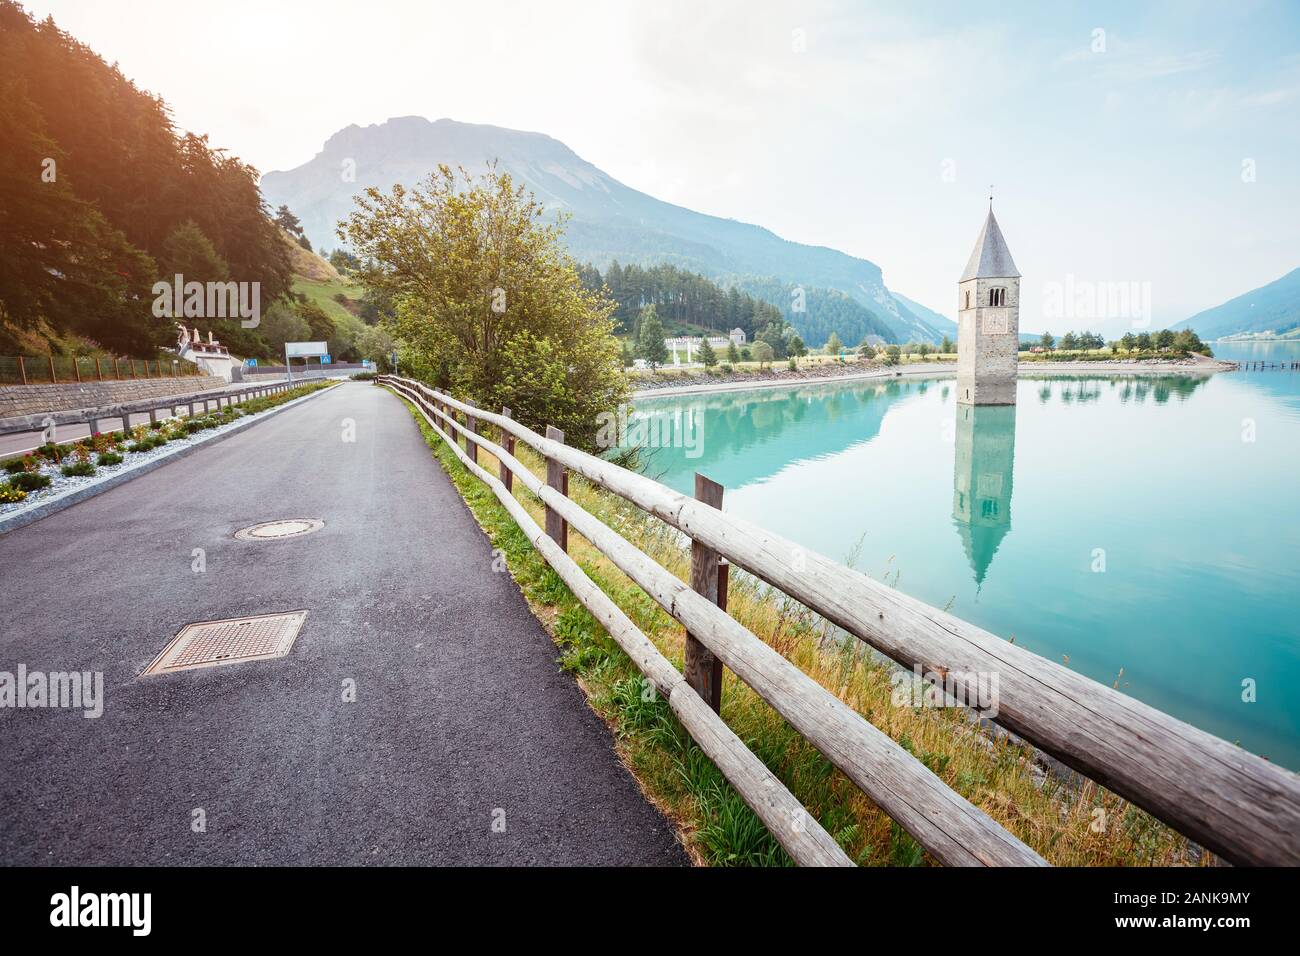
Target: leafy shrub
[(364, 376), (15, 466), (109, 458), (9, 494), (50, 452), (30, 481), (78, 469)]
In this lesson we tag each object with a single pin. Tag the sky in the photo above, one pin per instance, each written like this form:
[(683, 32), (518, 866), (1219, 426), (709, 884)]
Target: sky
[(1155, 145)]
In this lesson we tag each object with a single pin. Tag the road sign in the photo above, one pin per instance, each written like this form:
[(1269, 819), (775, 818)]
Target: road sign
[(326, 360), (306, 349), (252, 363)]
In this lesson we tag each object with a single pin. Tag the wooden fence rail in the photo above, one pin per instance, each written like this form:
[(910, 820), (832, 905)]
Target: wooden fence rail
[(1233, 802), (949, 827)]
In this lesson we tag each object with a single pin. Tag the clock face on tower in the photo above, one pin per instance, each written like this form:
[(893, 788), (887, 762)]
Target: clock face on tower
[(995, 322)]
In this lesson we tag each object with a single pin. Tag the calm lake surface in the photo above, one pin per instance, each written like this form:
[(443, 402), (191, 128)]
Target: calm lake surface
[(1144, 530)]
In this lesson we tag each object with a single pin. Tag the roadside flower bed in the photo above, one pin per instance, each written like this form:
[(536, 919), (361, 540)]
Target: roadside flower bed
[(53, 469)]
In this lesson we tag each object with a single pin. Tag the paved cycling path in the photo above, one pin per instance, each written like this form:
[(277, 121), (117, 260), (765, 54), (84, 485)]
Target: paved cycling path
[(461, 716)]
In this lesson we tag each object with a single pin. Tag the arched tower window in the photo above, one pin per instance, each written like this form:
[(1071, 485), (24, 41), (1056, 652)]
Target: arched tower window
[(997, 296)]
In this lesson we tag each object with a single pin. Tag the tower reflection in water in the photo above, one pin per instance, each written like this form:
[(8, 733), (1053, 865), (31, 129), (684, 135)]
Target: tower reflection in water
[(981, 481)]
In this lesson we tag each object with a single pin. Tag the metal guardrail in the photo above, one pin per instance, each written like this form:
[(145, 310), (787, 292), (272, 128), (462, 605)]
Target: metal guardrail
[(92, 417), (1235, 803)]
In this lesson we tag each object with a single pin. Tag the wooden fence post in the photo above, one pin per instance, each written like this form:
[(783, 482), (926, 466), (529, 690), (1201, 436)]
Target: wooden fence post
[(557, 476), (508, 443), (471, 449), (701, 669), (99, 370), (76, 367), (54, 379), (22, 370)]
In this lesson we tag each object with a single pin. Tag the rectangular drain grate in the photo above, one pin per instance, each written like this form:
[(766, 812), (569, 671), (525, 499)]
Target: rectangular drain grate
[(235, 640)]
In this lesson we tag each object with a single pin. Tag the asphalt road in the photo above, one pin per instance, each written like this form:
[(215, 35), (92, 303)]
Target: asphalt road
[(462, 717)]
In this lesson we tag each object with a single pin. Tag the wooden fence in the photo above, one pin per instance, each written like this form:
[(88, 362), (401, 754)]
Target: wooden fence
[(1239, 805), (54, 369)]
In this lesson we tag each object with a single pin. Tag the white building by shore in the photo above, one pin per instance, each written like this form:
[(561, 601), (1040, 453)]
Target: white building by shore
[(682, 348)]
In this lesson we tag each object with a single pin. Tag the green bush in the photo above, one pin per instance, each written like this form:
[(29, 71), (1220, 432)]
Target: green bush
[(30, 481), (14, 466), (109, 458), (78, 469), (364, 376)]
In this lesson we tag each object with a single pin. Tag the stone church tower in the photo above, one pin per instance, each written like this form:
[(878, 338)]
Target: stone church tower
[(988, 321)]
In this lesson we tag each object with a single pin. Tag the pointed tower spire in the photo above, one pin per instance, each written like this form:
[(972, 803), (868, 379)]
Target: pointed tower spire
[(990, 259)]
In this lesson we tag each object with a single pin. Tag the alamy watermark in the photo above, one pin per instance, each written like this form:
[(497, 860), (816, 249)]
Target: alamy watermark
[(1084, 299), (74, 690), (133, 911), (977, 690), (624, 429), (210, 300)]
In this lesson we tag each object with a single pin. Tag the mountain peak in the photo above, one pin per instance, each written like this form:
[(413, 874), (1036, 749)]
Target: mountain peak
[(607, 219)]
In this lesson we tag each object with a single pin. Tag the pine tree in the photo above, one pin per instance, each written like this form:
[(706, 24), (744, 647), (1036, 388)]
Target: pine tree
[(733, 353), (707, 355), (650, 344)]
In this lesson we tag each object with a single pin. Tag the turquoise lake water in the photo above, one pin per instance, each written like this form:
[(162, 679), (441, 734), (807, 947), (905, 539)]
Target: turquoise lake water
[(1137, 528)]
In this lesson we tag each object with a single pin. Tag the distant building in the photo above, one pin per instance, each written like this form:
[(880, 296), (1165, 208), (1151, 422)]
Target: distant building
[(988, 321), (690, 344), (738, 336), (211, 356)]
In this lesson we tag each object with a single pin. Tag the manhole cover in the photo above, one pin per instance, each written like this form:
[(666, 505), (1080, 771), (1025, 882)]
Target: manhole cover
[(235, 640), (275, 530)]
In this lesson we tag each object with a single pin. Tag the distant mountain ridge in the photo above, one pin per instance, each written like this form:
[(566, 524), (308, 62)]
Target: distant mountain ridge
[(609, 220), (1270, 308)]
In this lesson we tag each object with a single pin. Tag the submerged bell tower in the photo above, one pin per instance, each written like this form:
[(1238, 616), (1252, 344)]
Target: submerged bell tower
[(988, 321)]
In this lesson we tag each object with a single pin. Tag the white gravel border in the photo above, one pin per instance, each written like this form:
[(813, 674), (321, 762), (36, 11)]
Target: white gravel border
[(64, 492)]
